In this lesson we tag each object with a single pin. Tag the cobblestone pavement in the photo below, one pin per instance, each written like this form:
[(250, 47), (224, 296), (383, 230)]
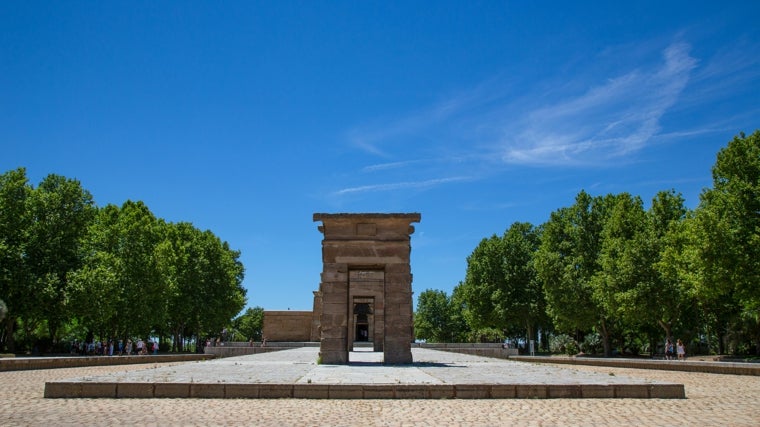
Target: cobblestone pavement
[(712, 400)]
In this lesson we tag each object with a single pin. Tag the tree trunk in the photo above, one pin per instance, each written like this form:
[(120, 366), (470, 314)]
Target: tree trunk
[(668, 327), (53, 331), (722, 336), (605, 338), (10, 343), (529, 330)]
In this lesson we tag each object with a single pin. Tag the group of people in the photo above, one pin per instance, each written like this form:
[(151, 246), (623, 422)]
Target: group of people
[(118, 347), (679, 349)]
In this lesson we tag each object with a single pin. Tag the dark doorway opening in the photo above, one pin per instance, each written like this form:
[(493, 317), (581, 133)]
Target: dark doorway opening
[(362, 332)]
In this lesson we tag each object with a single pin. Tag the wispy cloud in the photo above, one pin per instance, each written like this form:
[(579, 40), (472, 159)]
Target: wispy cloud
[(608, 121), (400, 185), (390, 165), (603, 113)]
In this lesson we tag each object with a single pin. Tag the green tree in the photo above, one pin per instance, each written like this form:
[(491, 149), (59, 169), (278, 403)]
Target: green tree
[(520, 301), (222, 294), (728, 232), (501, 290), (735, 202), (432, 319), (251, 323), (628, 286), (566, 262), (61, 213), (485, 275), (666, 299), (624, 261), (203, 278), (15, 222), (180, 262), (119, 291), (460, 329)]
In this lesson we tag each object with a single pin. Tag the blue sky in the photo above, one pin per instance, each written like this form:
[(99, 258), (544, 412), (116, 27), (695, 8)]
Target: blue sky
[(246, 118)]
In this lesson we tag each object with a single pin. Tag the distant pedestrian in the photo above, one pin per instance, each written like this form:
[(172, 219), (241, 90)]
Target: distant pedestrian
[(669, 350), (681, 350)]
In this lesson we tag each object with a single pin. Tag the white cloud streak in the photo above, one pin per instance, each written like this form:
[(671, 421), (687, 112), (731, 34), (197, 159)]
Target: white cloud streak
[(549, 123), (609, 121), (400, 185)]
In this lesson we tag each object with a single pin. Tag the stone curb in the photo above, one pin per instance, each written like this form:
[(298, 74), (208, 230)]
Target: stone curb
[(78, 389), (726, 368)]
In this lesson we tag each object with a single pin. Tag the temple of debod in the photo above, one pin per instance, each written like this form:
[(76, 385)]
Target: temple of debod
[(365, 290)]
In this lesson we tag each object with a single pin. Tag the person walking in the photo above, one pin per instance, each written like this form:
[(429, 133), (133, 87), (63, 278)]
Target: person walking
[(681, 350), (669, 350)]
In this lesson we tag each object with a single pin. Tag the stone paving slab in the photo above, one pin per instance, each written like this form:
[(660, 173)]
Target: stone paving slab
[(296, 374)]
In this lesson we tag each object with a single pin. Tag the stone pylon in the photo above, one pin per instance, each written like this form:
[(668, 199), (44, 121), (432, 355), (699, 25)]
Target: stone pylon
[(366, 285)]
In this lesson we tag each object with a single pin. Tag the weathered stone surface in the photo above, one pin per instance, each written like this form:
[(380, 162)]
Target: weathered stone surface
[(166, 389), (275, 391), (564, 391), (104, 389), (530, 391), (311, 391), (601, 391), (138, 390), (63, 389), (346, 391), (287, 325), (366, 288)]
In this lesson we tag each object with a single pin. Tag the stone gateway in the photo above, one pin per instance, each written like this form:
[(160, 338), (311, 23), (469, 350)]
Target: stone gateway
[(365, 292)]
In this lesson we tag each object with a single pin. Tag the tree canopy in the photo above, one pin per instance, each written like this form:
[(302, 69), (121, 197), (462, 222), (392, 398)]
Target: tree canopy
[(607, 268), (115, 271)]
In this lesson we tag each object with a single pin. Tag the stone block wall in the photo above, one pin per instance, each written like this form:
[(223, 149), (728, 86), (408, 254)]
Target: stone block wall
[(287, 325)]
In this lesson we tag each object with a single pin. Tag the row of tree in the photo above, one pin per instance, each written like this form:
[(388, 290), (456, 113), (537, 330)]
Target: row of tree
[(70, 268), (629, 276)]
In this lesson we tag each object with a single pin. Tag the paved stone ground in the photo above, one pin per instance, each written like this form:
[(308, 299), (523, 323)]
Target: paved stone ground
[(712, 399), (300, 366)]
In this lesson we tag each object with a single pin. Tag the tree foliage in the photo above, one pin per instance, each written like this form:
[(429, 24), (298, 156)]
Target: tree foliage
[(432, 320), (568, 259), (607, 265), (116, 271), (501, 289), (15, 222), (250, 324)]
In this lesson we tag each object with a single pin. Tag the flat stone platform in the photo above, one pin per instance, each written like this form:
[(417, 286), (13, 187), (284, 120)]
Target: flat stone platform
[(295, 373), (32, 363)]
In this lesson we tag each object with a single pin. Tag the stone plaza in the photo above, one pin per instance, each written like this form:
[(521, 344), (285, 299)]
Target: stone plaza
[(711, 400), (295, 373)]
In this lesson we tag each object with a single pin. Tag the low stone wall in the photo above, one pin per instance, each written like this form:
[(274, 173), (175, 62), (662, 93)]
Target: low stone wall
[(112, 390), (28, 363), (287, 325), (665, 365), (232, 349), (478, 349)]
